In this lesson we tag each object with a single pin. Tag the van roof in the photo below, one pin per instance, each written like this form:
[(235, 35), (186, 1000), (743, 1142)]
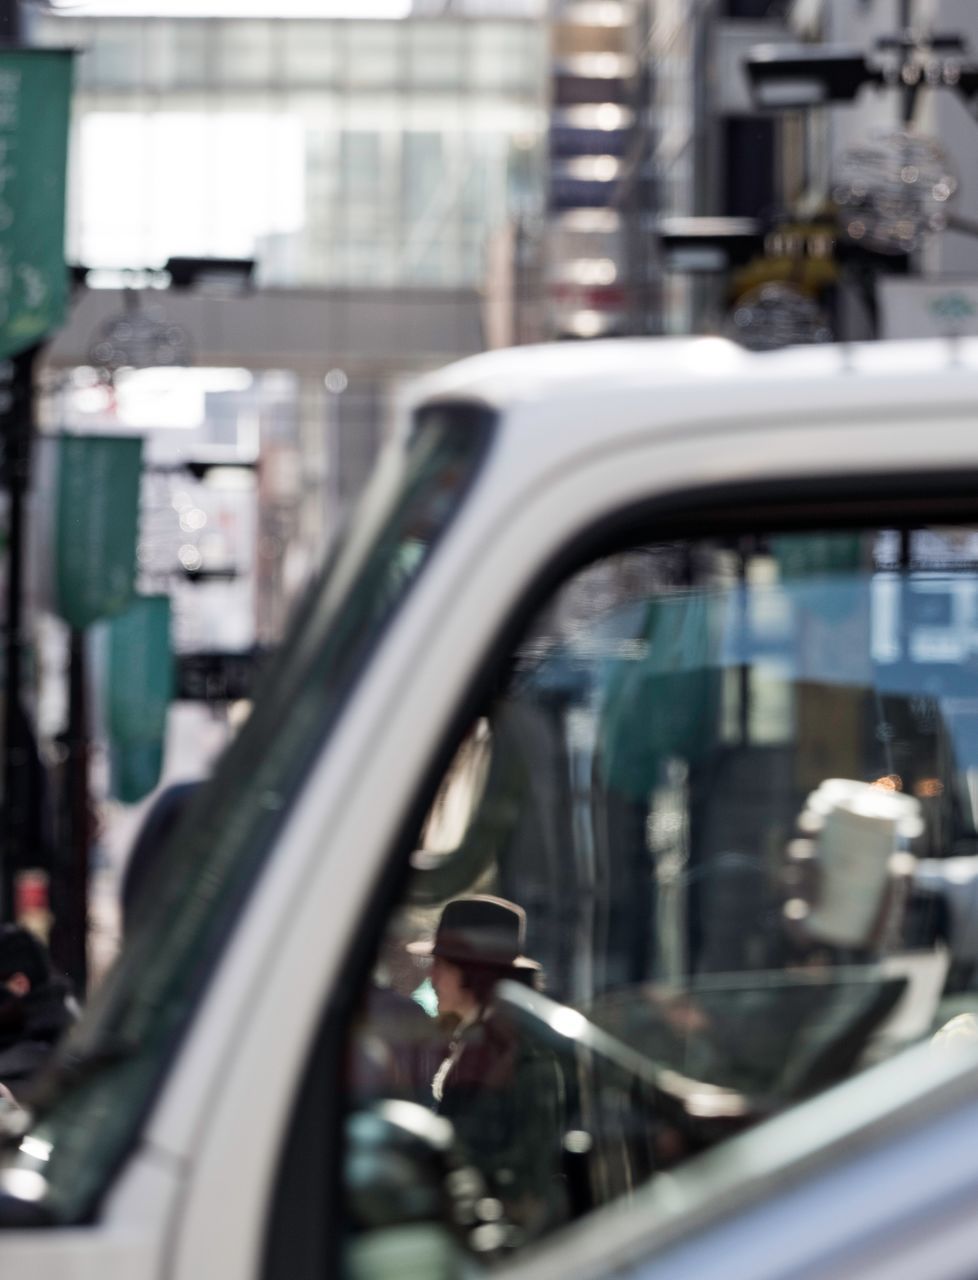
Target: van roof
[(567, 371)]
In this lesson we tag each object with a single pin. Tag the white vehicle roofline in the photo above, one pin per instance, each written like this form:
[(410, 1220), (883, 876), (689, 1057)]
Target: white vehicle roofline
[(565, 371)]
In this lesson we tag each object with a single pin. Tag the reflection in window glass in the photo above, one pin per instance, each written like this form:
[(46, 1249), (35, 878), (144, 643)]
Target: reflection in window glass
[(722, 853), (93, 1107)]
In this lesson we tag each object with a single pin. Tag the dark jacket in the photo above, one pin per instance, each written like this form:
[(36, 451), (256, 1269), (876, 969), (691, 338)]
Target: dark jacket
[(394, 1050), (507, 1100), (30, 1027)]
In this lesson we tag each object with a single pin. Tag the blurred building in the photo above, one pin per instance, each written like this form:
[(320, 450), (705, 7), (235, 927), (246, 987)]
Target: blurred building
[(275, 225), (683, 199), (588, 284), (363, 165), (892, 163), (651, 119)]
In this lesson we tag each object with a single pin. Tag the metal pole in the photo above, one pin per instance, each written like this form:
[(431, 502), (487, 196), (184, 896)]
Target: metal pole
[(16, 428), (16, 425), (69, 887)]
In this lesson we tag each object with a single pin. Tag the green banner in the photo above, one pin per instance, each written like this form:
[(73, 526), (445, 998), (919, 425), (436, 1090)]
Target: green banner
[(812, 555), (140, 671), (134, 770), (97, 526), (35, 98), (139, 688)]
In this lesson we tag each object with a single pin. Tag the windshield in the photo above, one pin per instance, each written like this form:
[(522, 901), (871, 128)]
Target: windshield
[(95, 1100)]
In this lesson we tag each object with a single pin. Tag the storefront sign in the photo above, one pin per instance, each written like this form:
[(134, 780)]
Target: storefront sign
[(928, 308)]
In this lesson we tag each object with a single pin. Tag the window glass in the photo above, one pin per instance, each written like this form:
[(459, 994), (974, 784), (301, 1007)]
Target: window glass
[(116, 61), (436, 54), (709, 849), (499, 55), (187, 53), (92, 1105), (423, 175), (360, 155), (245, 52), (313, 53), (374, 55), (227, 204)]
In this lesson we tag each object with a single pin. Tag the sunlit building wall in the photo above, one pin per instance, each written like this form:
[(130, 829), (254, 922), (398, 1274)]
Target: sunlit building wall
[(942, 263), (335, 152), (364, 165), (587, 278)]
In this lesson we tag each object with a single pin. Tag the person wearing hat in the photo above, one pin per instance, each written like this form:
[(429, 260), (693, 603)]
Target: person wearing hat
[(505, 1096), (36, 1007)]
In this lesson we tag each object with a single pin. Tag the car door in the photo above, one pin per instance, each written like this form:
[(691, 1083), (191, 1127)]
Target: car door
[(627, 740)]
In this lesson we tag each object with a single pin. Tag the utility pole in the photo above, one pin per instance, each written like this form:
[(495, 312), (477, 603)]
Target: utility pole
[(16, 431), (16, 423), (33, 140)]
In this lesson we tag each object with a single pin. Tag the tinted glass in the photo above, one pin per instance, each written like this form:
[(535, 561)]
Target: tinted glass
[(111, 1066), (726, 805)]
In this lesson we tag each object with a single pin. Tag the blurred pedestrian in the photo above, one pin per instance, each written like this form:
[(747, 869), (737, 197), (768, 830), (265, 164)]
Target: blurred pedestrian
[(505, 1095), (36, 1005)]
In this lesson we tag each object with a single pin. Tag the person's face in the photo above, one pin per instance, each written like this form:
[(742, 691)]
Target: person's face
[(446, 978), (18, 984)]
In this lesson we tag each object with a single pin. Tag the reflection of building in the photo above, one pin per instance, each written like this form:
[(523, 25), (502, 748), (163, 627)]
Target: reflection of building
[(363, 164)]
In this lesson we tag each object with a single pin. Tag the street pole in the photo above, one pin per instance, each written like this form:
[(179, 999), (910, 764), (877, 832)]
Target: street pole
[(16, 431), (72, 866), (16, 424)]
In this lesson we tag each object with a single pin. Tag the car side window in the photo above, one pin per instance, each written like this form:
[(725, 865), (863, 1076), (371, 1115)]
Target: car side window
[(712, 848)]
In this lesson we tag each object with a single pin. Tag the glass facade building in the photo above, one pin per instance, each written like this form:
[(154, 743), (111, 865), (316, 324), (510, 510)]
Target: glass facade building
[(344, 152)]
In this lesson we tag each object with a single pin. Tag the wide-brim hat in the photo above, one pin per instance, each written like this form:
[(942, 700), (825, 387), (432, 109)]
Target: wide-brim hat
[(479, 930)]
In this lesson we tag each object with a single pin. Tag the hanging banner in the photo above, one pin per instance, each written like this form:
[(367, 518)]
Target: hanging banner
[(139, 689), (97, 525), (134, 770), (35, 98), (816, 555), (140, 671)]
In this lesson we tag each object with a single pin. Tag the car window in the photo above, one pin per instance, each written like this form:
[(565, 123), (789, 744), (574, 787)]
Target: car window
[(711, 849), (90, 1109)]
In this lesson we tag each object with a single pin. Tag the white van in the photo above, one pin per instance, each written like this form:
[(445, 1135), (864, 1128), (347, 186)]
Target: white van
[(674, 650)]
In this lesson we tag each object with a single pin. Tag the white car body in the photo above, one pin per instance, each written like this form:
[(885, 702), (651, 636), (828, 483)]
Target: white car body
[(583, 431)]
